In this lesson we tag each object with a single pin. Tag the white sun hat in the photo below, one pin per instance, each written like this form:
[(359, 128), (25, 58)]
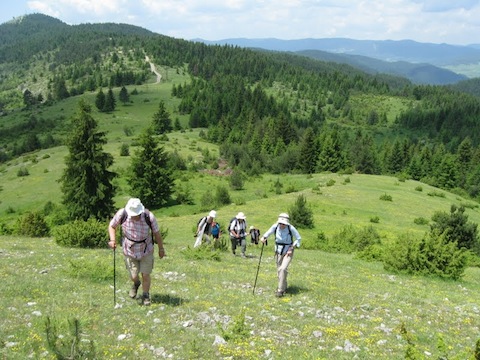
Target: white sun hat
[(241, 216), (283, 219), (134, 207), (212, 214)]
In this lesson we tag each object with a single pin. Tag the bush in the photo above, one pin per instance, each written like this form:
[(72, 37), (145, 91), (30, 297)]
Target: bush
[(432, 255), (351, 240), (32, 224), (84, 234), (300, 214), (386, 197)]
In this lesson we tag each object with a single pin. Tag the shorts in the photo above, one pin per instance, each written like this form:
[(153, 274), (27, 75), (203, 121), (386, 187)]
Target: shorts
[(136, 266)]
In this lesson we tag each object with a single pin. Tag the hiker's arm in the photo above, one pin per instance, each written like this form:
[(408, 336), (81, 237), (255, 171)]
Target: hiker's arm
[(159, 241), (111, 233)]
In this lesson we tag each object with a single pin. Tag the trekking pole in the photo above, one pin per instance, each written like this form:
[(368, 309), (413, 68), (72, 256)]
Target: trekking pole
[(114, 278), (258, 268)]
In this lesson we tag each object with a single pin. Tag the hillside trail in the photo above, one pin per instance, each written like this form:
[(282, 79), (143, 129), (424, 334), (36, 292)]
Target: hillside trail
[(154, 69)]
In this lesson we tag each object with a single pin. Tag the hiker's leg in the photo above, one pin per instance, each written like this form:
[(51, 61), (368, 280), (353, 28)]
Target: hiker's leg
[(133, 267), (234, 244), (146, 283), (146, 267), (282, 271), (244, 246)]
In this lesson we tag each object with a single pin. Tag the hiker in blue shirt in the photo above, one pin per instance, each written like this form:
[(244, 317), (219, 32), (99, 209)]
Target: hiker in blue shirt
[(284, 248)]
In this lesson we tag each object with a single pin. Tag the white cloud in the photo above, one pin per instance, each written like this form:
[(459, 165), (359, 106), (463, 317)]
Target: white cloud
[(421, 20)]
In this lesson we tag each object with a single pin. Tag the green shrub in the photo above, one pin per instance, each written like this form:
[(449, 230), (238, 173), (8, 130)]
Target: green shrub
[(386, 197), (418, 188), (222, 196), (23, 171), (432, 255), (84, 234), (330, 182), (32, 224), (375, 219), (300, 214), (420, 221), (351, 240)]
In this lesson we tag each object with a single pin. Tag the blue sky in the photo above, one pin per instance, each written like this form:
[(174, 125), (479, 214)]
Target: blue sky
[(435, 21)]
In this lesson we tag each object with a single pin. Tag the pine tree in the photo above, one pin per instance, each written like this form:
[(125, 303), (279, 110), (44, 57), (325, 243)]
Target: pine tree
[(151, 179), (100, 100), (123, 96), (110, 101), (161, 120), (308, 152), (86, 182)]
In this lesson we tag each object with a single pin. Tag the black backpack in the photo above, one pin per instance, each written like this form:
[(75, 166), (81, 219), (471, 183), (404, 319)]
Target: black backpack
[(289, 231)]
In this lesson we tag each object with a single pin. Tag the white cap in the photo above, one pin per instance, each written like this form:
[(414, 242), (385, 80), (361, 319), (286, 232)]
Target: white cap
[(134, 207), (212, 214)]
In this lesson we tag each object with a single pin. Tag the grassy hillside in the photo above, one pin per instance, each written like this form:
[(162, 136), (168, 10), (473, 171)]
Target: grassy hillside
[(336, 307)]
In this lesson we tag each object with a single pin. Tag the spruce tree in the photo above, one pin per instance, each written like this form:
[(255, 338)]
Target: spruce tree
[(86, 183), (150, 178), (308, 152), (161, 120)]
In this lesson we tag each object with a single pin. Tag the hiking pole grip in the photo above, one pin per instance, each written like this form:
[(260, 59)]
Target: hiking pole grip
[(258, 268)]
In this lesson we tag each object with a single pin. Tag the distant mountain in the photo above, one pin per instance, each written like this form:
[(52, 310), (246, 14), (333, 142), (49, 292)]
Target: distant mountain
[(420, 62), (386, 50), (416, 73)]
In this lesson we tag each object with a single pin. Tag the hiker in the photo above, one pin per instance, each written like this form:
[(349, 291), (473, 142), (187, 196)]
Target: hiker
[(254, 235), (215, 230), (139, 229), (284, 247), (204, 228), (238, 233)]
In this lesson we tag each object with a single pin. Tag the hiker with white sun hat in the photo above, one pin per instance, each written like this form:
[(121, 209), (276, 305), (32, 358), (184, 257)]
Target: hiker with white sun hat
[(284, 247)]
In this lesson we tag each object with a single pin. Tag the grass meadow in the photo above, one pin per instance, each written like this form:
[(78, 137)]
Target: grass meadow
[(336, 307)]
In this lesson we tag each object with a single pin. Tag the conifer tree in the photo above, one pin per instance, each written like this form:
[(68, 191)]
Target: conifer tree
[(150, 178), (110, 101), (123, 96), (100, 100), (161, 120), (308, 152), (86, 183)]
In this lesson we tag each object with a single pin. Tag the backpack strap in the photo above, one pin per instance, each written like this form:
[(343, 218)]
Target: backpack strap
[(146, 217)]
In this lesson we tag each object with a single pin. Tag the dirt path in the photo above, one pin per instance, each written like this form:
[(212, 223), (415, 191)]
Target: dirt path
[(154, 69)]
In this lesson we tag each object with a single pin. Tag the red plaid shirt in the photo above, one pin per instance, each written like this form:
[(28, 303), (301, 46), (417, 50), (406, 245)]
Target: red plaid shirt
[(137, 241)]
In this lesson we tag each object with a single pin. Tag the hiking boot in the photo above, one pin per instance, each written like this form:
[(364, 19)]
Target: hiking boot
[(279, 293), (133, 291), (146, 299), (243, 255)]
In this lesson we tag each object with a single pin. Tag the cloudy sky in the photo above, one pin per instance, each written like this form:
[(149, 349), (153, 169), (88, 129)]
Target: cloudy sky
[(435, 21)]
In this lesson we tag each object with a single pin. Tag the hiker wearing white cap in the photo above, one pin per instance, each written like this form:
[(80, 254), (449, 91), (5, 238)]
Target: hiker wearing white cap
[(204, 228), (140, 230), (238, 233), (284, 247)]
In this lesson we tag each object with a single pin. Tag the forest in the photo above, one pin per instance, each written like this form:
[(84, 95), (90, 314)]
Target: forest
[(269, 111)]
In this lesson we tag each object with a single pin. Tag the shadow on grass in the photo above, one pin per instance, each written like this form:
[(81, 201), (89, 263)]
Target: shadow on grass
[(167, 299), (295, 290)]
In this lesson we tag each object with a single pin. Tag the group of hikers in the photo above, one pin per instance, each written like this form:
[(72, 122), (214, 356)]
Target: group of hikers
[(140, 231), (208, 227)]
